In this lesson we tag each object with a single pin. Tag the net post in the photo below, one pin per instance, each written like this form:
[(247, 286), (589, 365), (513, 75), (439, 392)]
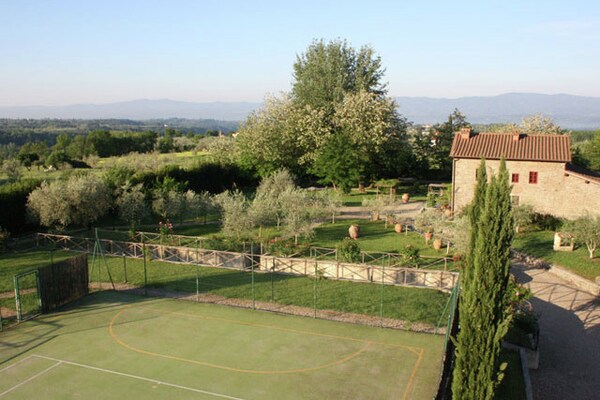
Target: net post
[(145, 271), (39, 293), (125, 267), (315, 289), (17, 297), (382, 289), (197, 273), (253, 288)]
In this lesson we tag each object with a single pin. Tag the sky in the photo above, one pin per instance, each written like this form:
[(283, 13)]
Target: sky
[(71, 52)]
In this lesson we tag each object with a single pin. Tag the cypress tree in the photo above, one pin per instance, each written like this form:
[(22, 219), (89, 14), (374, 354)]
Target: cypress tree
[(482, 308)]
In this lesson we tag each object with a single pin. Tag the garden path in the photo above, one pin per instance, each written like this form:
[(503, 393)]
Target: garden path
[(408, 211), (569, 345)]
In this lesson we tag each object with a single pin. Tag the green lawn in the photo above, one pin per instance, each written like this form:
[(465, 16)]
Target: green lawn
[(512, 386), (374, 237), (403, 303), (539, 244), (119, 346)]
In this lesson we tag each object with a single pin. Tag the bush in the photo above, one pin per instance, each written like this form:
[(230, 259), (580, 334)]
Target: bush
[(287, 247), (348, 250), (411, 254), (4, 235), (546, 222), (431, 199), (13, 198)]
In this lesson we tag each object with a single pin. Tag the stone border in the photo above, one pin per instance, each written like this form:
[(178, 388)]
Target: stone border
[(526, 376), (581, 283)]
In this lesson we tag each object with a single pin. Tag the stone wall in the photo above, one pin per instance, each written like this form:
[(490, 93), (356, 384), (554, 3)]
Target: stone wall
[(331, 269), (556, 192)]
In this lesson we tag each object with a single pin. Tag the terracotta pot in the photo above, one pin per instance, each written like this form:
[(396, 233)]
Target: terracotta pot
[(428, 236), (398, 228), (405, 197), (353, 231), (437, 243)]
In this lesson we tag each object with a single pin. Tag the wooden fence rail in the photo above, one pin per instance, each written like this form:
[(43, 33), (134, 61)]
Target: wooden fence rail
[(381, 268)]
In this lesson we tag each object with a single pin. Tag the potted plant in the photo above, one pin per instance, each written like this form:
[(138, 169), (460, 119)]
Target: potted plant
[(354, 231)]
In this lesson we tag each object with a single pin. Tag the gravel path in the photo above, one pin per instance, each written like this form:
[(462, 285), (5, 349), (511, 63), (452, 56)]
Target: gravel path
[(569, 338)]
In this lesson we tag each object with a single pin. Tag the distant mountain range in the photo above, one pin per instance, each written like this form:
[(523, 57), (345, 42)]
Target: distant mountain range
[(137, 110), (575, 112)]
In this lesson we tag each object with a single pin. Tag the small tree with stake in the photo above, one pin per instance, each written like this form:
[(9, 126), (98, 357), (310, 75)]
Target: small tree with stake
[(586, 230)]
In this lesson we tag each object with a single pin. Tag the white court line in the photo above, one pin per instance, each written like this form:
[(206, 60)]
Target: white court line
[(17, 363), (224, 396), (31, 378)]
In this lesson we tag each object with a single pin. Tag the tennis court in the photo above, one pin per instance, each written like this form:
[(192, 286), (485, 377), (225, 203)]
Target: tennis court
[(116, 345)]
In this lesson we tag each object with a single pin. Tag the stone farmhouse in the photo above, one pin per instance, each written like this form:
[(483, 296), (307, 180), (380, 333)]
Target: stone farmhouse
[(539, 168)]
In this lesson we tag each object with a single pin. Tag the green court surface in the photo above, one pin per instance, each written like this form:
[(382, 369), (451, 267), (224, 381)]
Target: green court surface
[(113, 345)]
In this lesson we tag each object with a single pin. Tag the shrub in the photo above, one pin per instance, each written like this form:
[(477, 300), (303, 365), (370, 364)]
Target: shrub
[(431, 199), (4, 235), (287, 247), (348, 250), (411, 254), (546, 222), (13, 198)]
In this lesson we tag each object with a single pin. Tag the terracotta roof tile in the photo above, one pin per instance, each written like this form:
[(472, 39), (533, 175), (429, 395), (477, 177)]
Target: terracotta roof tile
[(493, 146)]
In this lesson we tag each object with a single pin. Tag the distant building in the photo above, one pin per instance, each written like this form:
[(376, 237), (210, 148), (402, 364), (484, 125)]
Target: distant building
[(539, 168)]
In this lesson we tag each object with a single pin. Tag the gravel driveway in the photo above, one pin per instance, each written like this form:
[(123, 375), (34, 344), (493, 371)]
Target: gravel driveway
[(569, 338)]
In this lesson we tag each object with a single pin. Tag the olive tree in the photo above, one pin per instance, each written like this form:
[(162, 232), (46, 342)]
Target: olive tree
[(80, 200), (235, 218), (131, 205), (586, 231)]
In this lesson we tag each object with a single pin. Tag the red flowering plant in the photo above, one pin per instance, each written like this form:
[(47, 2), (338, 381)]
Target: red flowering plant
[(165, 230)]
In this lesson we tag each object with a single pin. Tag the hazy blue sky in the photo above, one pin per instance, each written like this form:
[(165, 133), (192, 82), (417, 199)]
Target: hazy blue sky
[(83, 51)]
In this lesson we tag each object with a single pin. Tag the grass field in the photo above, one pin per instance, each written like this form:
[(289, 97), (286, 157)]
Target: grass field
[(120, 346), (539, 244), (414, 305)]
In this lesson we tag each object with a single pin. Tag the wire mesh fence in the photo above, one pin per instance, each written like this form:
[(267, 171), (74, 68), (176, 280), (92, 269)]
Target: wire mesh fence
[(378, 292), (27, 295)]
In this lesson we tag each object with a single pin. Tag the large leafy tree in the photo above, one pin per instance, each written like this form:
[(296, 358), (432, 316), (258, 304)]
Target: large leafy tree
[(591, 152), (440, 142), (281, 135), (337, 90), (483, 305), (328, 71), (339, 163)]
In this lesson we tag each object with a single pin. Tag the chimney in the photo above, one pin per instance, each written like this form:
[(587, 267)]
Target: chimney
[(516, 135), (465, 133)]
